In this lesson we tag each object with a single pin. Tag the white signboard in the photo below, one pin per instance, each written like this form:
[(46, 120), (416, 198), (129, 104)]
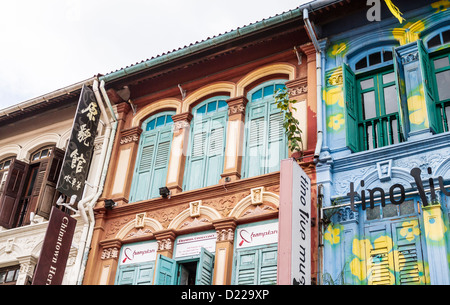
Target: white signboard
[(301, 227), (192, 244), (138, 253), (257, 235)]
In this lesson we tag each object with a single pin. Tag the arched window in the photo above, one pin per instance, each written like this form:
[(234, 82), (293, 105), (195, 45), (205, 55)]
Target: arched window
[(152, 157), (204, 163), (265, 139), (4, 166)]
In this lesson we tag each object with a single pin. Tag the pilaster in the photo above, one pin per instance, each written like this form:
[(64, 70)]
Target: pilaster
[(178, 152), (224, 250)]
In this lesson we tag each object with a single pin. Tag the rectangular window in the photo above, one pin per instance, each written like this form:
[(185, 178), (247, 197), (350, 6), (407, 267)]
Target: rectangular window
[(441, 69)]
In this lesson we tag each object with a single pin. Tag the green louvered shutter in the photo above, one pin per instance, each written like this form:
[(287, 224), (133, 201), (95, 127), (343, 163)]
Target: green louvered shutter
[(126, 275), (380, 261), (351, 108), (161, 162), (408, 253), (265, 138), (145, 274), (152, 159), (207, 146), (165, 271), (428, 89), (141, 274), (144, 167), (205, 268), (257, 266), (216, 151), (246, 272)]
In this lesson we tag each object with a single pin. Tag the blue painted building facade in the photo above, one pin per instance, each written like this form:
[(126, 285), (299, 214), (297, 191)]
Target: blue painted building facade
[(385, 156)]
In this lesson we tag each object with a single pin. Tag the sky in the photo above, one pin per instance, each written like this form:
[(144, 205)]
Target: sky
[(46, 45)]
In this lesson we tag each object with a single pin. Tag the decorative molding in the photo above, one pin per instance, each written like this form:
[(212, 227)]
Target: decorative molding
[(181, 121), (194, 208), (165, 244), (130, 135), (140, 223), (257, 195), (108, 253), (237, 105), (225, 235), (408, 58)]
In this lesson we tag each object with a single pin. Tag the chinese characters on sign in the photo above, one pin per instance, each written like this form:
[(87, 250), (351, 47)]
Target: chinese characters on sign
[(80, 149)]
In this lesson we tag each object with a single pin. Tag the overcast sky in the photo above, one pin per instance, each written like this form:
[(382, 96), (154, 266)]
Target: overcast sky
[(49, 44)]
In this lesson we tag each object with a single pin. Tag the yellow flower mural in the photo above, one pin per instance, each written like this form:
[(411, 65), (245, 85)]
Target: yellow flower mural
[(417, 108), (336, 122), (434, 224), (332, 235), (410, 230)]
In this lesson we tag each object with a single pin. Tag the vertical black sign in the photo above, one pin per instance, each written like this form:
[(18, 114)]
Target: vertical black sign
[(81, 145)]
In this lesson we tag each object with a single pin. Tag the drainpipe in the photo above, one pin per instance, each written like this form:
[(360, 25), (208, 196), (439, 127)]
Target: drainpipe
[(86, 206), (310, 30)]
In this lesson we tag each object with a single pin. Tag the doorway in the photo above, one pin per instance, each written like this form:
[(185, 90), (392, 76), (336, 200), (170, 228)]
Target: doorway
[(187, 273)]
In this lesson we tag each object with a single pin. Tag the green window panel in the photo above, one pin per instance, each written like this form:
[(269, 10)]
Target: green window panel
[(265, 139), (256, 266), (141, 274), (152, 158), (204, 163)]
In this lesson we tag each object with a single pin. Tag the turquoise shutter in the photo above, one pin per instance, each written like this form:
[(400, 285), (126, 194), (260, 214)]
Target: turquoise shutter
[(256, 140), (151, 164), (195, 170), (207, 149), (256, 266), (277, 143), (205, 268), (143, 169), (161, 162), (408, 253), (268, 266), (246, 272), (165, 271), (216, 151), (427, 77), (141, 274), (351, 108), (126, 275), (145, 274)]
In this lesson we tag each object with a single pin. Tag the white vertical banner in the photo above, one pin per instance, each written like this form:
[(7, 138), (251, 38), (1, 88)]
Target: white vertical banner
[(301, 227), (294, 242)]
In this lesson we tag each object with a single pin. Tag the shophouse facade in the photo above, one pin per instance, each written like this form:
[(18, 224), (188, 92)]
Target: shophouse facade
[(34, 138), (192, 191), (384, 162)]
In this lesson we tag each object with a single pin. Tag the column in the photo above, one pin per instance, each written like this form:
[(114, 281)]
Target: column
[(223, 264), (109, 261), (436, 245), (27, 265), (126, 159), (166, 240), (178, 152), (235, 139)]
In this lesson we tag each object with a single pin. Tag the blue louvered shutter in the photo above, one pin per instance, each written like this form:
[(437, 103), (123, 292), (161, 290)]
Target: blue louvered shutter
[(246, 272), (161, 162), (207, 144), (165, 271), (205, 268), (152, 158), (141, 274), (257, 266), (266, 141)]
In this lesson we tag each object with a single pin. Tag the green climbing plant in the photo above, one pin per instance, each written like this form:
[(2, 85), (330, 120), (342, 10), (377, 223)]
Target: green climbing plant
[(290, 123)]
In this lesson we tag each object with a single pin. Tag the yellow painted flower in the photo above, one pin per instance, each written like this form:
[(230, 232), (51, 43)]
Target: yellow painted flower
[(417, 107), (336, 121), (338, 48), (358, 264), (441, 5), (332, 235), (410, 230), (334, 96)]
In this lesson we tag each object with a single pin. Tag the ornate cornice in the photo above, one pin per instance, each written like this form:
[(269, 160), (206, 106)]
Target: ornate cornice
[(130, 135)]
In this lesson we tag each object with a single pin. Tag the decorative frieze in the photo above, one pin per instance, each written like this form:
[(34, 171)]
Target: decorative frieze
[(165, 244), (237, 105), (297, 86), (181, 121), (225, 235)]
